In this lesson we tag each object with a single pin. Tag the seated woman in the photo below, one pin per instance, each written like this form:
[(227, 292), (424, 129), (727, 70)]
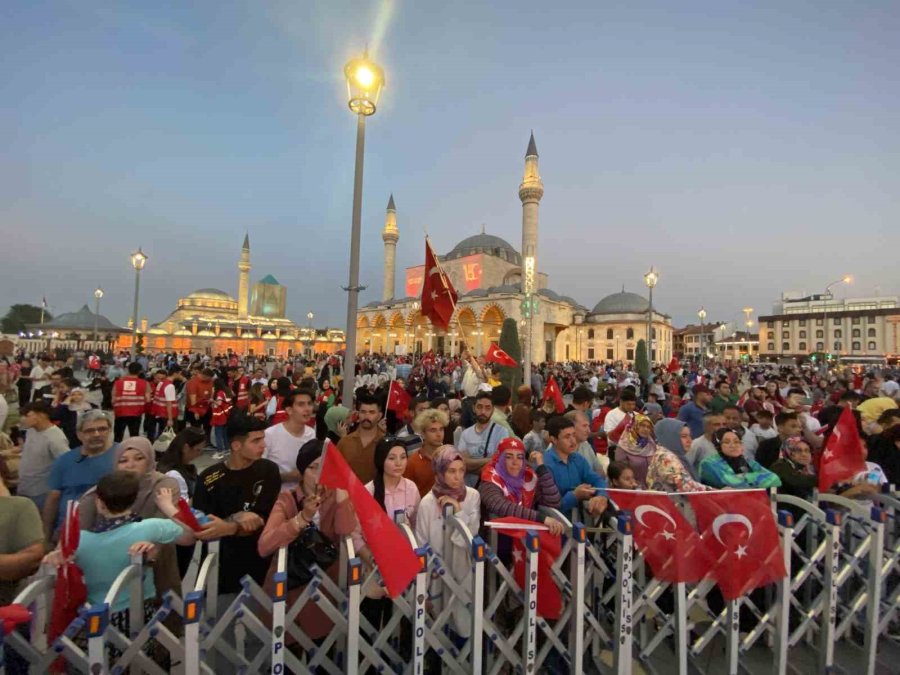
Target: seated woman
[(794, 468), (636, 446), (450, 489), (307, 505), (509, 487), (730, 469), (670, 470)]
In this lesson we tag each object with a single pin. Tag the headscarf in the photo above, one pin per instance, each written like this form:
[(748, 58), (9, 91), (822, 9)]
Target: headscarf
[(443, 457), (789, 445), (668, 437), (517, 489), (142, 445), (631, 443), (334, 416), (737, 464), (309, 452)]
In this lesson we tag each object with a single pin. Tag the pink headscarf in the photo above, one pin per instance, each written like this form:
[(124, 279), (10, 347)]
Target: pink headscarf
[(443, 457)]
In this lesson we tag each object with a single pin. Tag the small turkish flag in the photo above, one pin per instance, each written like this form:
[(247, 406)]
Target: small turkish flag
[(396, 560), (549, 599), (186, 516), (670, 544), (740, 536), (438, 295), (551, 391), (398, 400), (70, 591), (843, 457), (498, 356)]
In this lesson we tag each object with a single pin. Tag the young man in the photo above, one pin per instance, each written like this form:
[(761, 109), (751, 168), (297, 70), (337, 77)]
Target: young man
[(534, 439), (239, 383), (735, 421), (198, 404), (74, 473), (22, 543), (501, 397), (43, 444), (692, 412), (703, 447), (164, 404), (416, 407), (238, 494), (429, 424), (615, 417), (722, 398), (358, 448), (788, 424), (576, 482), (284, 440), (479, 442), (130, 397)]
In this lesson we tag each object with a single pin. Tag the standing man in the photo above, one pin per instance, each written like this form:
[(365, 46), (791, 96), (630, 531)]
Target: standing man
[(576, 482), (284, 440), (615, 417), (479, 442), (44, 442), (198, 404), (239, 383), (584, 448), (358, 448), (702, 447), (722, 398), (22, 543), (501, 397), (164, 404), (74, 473), (472, 378), (692, 412), (130, 397), (430, 425)]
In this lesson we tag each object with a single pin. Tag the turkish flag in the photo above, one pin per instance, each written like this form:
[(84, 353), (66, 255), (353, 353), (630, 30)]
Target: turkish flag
[(674, 365), (186, 516), (739, 533), (551, 391), (670, 544), (500, 357), (843, 456), (397, 400), (70, 592), (396, 559), (438, 295), (549, 599)]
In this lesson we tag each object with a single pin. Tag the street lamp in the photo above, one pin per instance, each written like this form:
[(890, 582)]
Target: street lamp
[(701, 313), (311, 335), (364, 82), (138, 260), (846, 279), (650, 278), (98, 294)]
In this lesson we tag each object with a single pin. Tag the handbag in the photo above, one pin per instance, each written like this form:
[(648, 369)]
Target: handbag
[(161, 444), (310, 548)]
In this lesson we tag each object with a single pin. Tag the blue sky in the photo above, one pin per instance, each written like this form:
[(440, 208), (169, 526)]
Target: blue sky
[(742, 149)]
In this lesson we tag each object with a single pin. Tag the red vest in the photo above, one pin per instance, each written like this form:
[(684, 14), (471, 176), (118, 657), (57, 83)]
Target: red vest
[(220, 410), (130, 396), (93, 362), (158, 407), (241, 389), (280, 413)]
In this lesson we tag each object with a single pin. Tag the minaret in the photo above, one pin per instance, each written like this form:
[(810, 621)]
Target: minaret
[(390, 235), (244, 278), (530, 192)]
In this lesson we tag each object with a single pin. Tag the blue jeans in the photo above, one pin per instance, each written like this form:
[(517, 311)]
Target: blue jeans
[(220, 438)]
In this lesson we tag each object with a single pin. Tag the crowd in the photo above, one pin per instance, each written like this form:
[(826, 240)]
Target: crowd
[(465, 440)]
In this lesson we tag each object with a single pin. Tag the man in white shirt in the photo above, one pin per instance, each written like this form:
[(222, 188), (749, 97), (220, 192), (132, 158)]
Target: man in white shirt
[(627, 404), (593, 383), (40, 375), (283, 441)]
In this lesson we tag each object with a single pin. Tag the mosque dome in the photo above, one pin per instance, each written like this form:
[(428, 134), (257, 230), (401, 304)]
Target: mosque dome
[(622, 303), (208, 300), (487, 244), (210, 294)]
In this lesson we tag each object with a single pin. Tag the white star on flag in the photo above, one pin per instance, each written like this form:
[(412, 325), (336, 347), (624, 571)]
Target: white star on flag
[(518, 556), (668, 536), (741, 551)]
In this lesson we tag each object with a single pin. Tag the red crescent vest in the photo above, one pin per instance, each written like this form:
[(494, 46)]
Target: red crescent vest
[(158, 407), (220, 410), (280, 413), (242, 392), (130, 396)]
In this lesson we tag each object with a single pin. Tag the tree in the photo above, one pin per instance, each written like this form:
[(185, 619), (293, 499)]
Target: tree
[(509, 342), (641, 361), (19, 315)]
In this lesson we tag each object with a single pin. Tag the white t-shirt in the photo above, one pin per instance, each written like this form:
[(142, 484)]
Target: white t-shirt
[(282, 448), (593, 382)]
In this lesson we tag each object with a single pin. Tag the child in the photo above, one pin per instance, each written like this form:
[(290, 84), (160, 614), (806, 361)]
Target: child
[(534, 439), (763, 427), (621, 476), (104, 553)]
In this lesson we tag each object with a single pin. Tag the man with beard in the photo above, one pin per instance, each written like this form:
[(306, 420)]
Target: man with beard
[(479, 442), (358, 448)]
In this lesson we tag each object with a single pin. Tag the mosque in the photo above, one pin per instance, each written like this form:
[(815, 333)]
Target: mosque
[(487, 273), (210, 320)]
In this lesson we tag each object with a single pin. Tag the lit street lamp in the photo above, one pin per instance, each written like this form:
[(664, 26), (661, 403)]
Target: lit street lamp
[(138, 260), (846, 279), (311, 334), (98, 294), (364, 82), (702, 314), (650, 278)]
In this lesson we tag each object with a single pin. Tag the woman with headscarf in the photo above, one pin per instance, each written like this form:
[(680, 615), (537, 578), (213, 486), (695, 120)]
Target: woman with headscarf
[(335, 423), (636, 447), (670, 470), (307, 505), (450, 489), (728, 468), (136, 455), (794, 468), (510, 487)]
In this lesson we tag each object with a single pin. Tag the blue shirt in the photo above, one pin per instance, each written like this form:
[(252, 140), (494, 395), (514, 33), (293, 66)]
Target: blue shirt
[(480, 446), (692, 415), (569, 475), (103, 555), (73, 474)]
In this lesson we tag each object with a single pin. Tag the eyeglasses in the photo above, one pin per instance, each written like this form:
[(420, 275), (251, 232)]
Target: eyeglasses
[(95, 430)]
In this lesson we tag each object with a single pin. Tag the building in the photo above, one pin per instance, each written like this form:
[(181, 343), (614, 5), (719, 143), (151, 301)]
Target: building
[(689, 342), (851, 330), (73, 330), (487, 272), (211, 321), (737, 347)]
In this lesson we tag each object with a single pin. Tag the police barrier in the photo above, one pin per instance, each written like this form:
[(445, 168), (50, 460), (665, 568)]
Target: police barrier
[(472, 617)]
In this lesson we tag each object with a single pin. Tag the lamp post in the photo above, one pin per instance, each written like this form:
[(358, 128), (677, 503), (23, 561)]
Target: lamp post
[(138, 260), (364, 82), (846, 279), (650, 278), (98, 294), (701, 313), (311, 335)]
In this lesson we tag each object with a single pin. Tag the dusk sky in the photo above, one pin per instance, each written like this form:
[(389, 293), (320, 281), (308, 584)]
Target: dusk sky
[(743, 149)]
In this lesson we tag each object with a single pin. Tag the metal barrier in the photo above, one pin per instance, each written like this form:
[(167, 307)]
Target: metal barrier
[(466, 611)]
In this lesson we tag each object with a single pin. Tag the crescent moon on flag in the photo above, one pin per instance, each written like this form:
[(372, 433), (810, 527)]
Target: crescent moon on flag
[(726, 518), (646, 508), (434, 270)]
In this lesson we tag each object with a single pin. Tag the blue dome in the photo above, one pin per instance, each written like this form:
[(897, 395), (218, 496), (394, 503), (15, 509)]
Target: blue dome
[(622, 303), (488, 244)]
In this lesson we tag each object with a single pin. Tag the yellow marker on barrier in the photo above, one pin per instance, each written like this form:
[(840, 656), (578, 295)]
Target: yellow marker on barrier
[(95, 624)]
